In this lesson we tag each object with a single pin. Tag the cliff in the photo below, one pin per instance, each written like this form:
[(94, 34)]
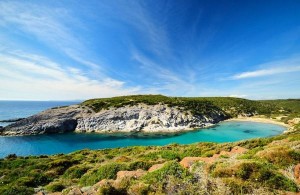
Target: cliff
[(143, 113), (141, 117)]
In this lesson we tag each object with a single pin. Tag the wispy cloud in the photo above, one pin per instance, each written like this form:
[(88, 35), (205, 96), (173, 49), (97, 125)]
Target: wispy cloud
[(272, 68), (238, 95), (50, 26), (166, 80), (266, 72), (37, 77)]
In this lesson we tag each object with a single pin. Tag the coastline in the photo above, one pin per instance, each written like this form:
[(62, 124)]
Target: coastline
[(260, 120)]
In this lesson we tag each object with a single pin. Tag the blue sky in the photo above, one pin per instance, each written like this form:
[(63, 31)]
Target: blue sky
[(66, 50)]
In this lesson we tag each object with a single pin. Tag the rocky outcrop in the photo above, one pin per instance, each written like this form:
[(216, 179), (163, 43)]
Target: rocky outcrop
[(56, 120), (144, 118), (137, 118), (11, 120)]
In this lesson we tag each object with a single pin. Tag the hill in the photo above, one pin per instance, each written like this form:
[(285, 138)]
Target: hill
[(148, 113)]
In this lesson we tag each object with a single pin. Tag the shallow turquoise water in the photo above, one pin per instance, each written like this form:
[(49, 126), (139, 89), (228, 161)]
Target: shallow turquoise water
[(65, 143)]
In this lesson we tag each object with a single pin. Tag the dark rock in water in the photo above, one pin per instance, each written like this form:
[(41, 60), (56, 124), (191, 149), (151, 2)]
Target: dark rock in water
[(11, 120), (1, 129), (248, 131)]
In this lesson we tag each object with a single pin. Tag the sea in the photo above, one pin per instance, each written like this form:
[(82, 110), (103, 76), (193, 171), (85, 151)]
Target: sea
[(22, 109), (228, 131)]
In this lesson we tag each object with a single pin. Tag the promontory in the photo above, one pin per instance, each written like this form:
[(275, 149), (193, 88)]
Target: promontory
[(143, 113)]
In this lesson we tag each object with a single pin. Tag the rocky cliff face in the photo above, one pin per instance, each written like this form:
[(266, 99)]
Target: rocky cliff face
[(145, 118)]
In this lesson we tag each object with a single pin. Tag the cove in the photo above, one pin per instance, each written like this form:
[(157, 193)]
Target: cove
[(228, 131)]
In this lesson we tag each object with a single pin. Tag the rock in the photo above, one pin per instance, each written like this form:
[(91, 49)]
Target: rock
[(11, 120), (144, 118), (86, 189), (50, 121), (238, 150), (297, 173), (137, 118), (156, 167), (294, 121), (130, 174), (75, 191), (186, 162)]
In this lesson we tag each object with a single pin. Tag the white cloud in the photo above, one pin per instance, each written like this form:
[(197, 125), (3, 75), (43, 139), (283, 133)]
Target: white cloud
[(288, 65), (39, 78), (266, 72), (54, 27), (166, 80), (238, 95)]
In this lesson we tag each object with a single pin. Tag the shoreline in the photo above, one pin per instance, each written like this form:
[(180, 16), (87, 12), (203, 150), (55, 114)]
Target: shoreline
[(174, 131), (260, 120)]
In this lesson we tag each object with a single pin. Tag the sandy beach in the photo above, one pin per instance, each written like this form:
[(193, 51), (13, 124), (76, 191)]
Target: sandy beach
[(258, 119)]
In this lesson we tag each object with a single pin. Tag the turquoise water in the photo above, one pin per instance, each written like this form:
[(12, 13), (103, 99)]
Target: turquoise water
[(65, 143)]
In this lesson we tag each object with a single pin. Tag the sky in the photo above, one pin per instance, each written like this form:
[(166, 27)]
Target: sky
[(76, 50)]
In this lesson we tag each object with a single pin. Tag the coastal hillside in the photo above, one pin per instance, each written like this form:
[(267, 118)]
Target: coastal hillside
[(148, 113), (257, 166)]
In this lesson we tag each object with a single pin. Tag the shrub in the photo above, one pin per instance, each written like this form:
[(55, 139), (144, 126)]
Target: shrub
[(11, 156), (171, 168), (75, 172), (108, 171), (145, 165), (169, 155), (16, 189), (278, 181), (108, 189), (238, 186), (139, 188), (282, 156), (262, 173), (55, 187)]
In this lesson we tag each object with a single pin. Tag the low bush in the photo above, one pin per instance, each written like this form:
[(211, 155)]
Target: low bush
[(75, 172), (172, 168), (255, 172), (108, 171), (55, 187), (16, 189), (282, 156), (145, 165)]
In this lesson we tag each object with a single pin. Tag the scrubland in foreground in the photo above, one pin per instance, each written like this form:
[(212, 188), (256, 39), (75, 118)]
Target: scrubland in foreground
[(257, 166), (266, 165)]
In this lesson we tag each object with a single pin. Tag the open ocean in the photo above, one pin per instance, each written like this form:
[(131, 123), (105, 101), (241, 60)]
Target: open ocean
[(22, 109)]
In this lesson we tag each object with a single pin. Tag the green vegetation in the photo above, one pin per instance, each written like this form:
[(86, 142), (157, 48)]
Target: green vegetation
[(262, 166), (267, 166), (229, 106)]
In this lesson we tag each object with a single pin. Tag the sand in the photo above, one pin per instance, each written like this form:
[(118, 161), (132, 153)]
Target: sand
[(258, 119)]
